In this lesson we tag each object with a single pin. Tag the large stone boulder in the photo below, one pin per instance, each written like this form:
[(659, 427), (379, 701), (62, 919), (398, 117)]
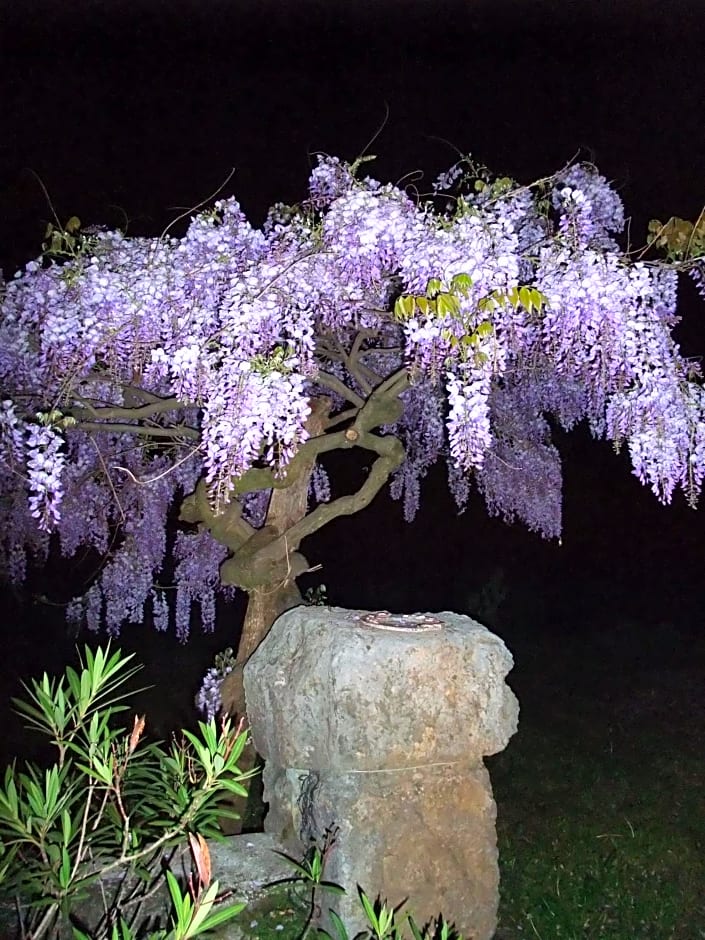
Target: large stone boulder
[(375, 726)]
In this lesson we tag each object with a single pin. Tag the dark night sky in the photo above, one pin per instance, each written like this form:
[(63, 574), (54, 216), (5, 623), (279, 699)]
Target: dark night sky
[(139, 107)]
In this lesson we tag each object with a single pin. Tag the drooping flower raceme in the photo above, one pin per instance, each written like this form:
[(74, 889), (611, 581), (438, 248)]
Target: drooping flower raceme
[(45, 463), (198, 557), (591, 192), (423, 433)]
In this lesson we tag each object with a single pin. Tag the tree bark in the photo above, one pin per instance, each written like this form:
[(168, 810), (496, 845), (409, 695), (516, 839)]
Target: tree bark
[(264, 605)]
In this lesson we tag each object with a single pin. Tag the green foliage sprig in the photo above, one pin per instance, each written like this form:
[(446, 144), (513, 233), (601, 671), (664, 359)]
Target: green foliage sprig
[(112, 803), (68, 241), (680, 239), (444, 302)]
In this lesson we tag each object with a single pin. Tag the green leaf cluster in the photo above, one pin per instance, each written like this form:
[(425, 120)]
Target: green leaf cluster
[(465, 332), (67, 241), (680, 239), (225, 661), (531, 299), (109, 802), (55, 419), (275, 361), (435, 302)]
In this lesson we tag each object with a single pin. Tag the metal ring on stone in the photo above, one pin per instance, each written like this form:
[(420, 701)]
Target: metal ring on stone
[(406, 623)]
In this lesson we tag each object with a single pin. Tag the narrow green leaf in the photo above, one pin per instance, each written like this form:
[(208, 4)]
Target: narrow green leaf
[(339, 926), (73, 681), (175, 892), (209, 735), (85, 691), (218, 764), (67, 828), (190, 736), (65, 870), (385, 919), (462, 283), (95, 775), (201, 911), (303, 871), (35, 798), (433, 287), (413, 926), (369, 909), (52, 785), (223, 914), (332, 887), (238, 748)]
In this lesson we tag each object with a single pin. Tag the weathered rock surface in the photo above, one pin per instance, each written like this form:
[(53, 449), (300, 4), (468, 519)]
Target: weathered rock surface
[(380, 733)]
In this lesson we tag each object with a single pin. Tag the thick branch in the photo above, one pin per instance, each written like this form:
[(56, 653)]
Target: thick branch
[(227, 526), (261, 556), (110, 412), (342, 416), (383, 406), (178, 432), (391, 456), (116, 418), (366, 378), (266, 478), (336, 385), (287, 505), (272, 554)]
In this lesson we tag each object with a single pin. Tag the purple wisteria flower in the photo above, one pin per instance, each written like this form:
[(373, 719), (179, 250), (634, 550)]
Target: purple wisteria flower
[(45, 463)]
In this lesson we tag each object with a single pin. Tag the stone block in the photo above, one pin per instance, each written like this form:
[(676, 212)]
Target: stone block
[(376, 726)]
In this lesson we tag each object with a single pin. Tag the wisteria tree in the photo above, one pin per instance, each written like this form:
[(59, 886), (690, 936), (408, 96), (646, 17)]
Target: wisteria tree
[(214, 372)]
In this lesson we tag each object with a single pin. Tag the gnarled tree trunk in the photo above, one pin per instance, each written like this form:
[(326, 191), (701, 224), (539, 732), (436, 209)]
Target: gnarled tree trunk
[(264, 605)]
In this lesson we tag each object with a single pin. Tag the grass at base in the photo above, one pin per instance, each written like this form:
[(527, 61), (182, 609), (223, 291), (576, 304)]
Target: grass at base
[(601, 826)]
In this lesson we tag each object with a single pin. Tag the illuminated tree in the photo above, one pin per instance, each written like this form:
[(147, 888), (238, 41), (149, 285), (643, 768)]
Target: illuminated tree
[(216, 371)]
